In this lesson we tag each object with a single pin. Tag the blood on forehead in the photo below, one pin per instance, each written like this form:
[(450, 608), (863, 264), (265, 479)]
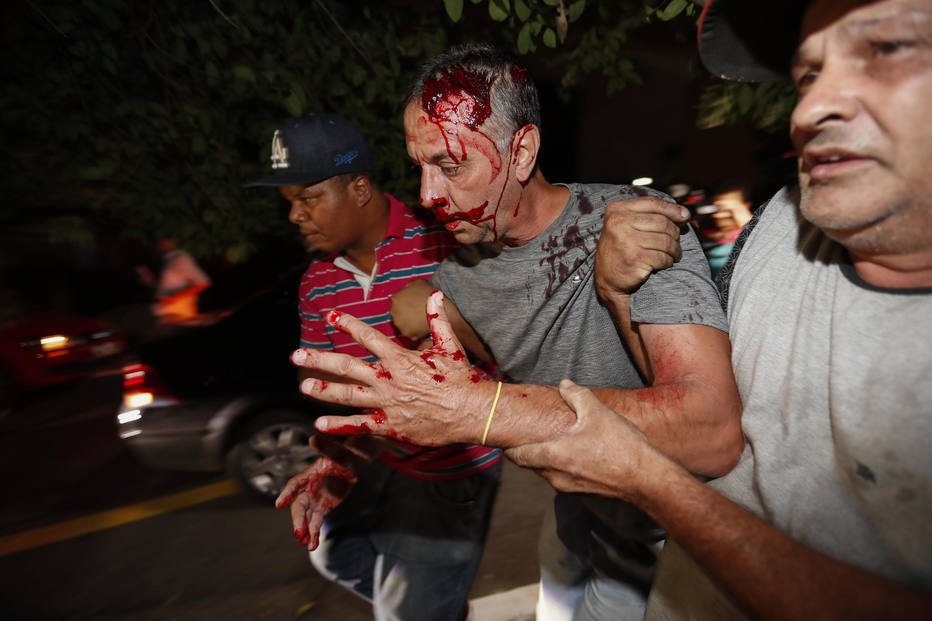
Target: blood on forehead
[(459, 95)]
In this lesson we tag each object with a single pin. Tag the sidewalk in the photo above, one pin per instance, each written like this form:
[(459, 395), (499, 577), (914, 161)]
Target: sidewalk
[(514, 605), (505, 588)]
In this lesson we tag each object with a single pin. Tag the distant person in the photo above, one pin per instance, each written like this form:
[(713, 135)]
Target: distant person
[(401, 525), (720, 219), (180, 283)]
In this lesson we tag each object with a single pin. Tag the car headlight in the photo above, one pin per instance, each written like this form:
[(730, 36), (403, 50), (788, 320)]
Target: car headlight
[(53, 342)]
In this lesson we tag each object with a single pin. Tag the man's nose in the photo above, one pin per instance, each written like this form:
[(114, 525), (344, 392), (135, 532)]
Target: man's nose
[(831, 97), (430, 189), (297, 214)]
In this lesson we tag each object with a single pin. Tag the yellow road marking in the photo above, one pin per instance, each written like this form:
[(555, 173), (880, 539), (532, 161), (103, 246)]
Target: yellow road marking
[(54, 533)]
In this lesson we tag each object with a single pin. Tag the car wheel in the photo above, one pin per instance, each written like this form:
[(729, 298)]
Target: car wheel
[(270, 450)]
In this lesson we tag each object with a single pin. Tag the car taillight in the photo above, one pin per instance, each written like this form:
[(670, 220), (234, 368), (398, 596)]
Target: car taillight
[(141, 387), (135, 375)]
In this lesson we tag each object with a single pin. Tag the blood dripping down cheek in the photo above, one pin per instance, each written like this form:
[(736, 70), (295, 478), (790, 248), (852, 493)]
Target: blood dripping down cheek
[(480, 214)]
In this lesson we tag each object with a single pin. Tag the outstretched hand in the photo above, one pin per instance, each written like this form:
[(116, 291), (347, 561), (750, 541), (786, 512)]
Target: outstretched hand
[(601, 453), (319, 488), (430, 398), (639, 236)]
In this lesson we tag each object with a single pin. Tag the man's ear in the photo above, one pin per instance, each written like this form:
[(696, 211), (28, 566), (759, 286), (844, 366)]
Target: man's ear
[(526, 145), (361, 187)]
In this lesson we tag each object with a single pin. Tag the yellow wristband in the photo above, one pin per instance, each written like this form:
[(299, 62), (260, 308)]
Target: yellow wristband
[(488, 423)]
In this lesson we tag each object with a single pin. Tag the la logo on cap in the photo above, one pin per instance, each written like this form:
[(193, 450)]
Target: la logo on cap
[(279, 152)]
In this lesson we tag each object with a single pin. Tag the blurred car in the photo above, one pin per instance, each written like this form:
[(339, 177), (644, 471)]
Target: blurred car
[(48, 349), (225, 395)]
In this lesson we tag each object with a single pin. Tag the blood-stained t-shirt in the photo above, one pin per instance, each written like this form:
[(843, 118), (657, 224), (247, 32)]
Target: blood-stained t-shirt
[(537, 309), (413, 247)]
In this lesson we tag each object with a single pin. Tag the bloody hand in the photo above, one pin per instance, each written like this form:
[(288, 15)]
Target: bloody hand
[(431, 397), (319, 488)]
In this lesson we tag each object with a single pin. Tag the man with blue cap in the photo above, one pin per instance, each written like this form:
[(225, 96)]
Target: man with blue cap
[(401, 525)]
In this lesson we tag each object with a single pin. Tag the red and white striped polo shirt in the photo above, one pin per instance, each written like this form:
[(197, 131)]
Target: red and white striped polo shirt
[(413, 247)]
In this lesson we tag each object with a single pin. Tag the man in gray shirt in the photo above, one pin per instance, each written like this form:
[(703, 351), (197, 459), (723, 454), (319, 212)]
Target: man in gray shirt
[(829, 299), (472, 125)]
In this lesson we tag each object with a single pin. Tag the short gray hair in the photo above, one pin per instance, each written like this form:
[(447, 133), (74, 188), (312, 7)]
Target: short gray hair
[(493, 79)]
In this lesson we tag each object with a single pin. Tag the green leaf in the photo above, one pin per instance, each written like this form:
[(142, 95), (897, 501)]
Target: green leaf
[(575, 10), (454, 9), (525, 42), (105, 170), (244, 73), (549, 38), (673, 9), (292, 104), (523, 11), (498, 10), (205, 120), (357, 75)]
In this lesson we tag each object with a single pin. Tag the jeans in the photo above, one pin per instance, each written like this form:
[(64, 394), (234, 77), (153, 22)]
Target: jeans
[(410, 547), (589, 572)]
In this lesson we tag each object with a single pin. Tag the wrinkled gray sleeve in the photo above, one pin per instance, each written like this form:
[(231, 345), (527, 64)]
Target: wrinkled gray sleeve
[(681, 294)]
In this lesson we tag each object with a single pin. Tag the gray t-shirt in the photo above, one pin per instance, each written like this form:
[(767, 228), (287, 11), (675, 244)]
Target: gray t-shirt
[(834, 375), (537, 309)]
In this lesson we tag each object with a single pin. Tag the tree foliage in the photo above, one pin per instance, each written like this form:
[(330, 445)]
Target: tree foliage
[(151, 115), (769, 104), (154, 113), (599, 46), (589, 37)]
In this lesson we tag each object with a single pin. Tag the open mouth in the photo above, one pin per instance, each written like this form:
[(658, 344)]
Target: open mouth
[(828, 163)]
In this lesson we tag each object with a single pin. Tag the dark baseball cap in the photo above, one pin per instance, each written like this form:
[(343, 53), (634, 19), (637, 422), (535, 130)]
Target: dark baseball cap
[(750, 41), (314, 147)]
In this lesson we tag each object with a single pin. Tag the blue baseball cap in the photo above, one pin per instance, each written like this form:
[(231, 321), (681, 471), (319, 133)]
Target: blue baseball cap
[(314, 147)]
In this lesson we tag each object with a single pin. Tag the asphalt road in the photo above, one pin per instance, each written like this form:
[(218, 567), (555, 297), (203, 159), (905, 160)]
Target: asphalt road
[(225, 558)]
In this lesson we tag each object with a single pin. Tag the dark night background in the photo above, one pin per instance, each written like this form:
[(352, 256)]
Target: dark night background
[(123, 122)]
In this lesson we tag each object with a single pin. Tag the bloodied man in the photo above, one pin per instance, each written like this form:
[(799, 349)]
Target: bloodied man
[(472, 125)]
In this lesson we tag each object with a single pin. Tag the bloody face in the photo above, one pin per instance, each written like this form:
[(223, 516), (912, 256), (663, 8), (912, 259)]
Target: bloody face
[(465, 179), (863, 123)]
